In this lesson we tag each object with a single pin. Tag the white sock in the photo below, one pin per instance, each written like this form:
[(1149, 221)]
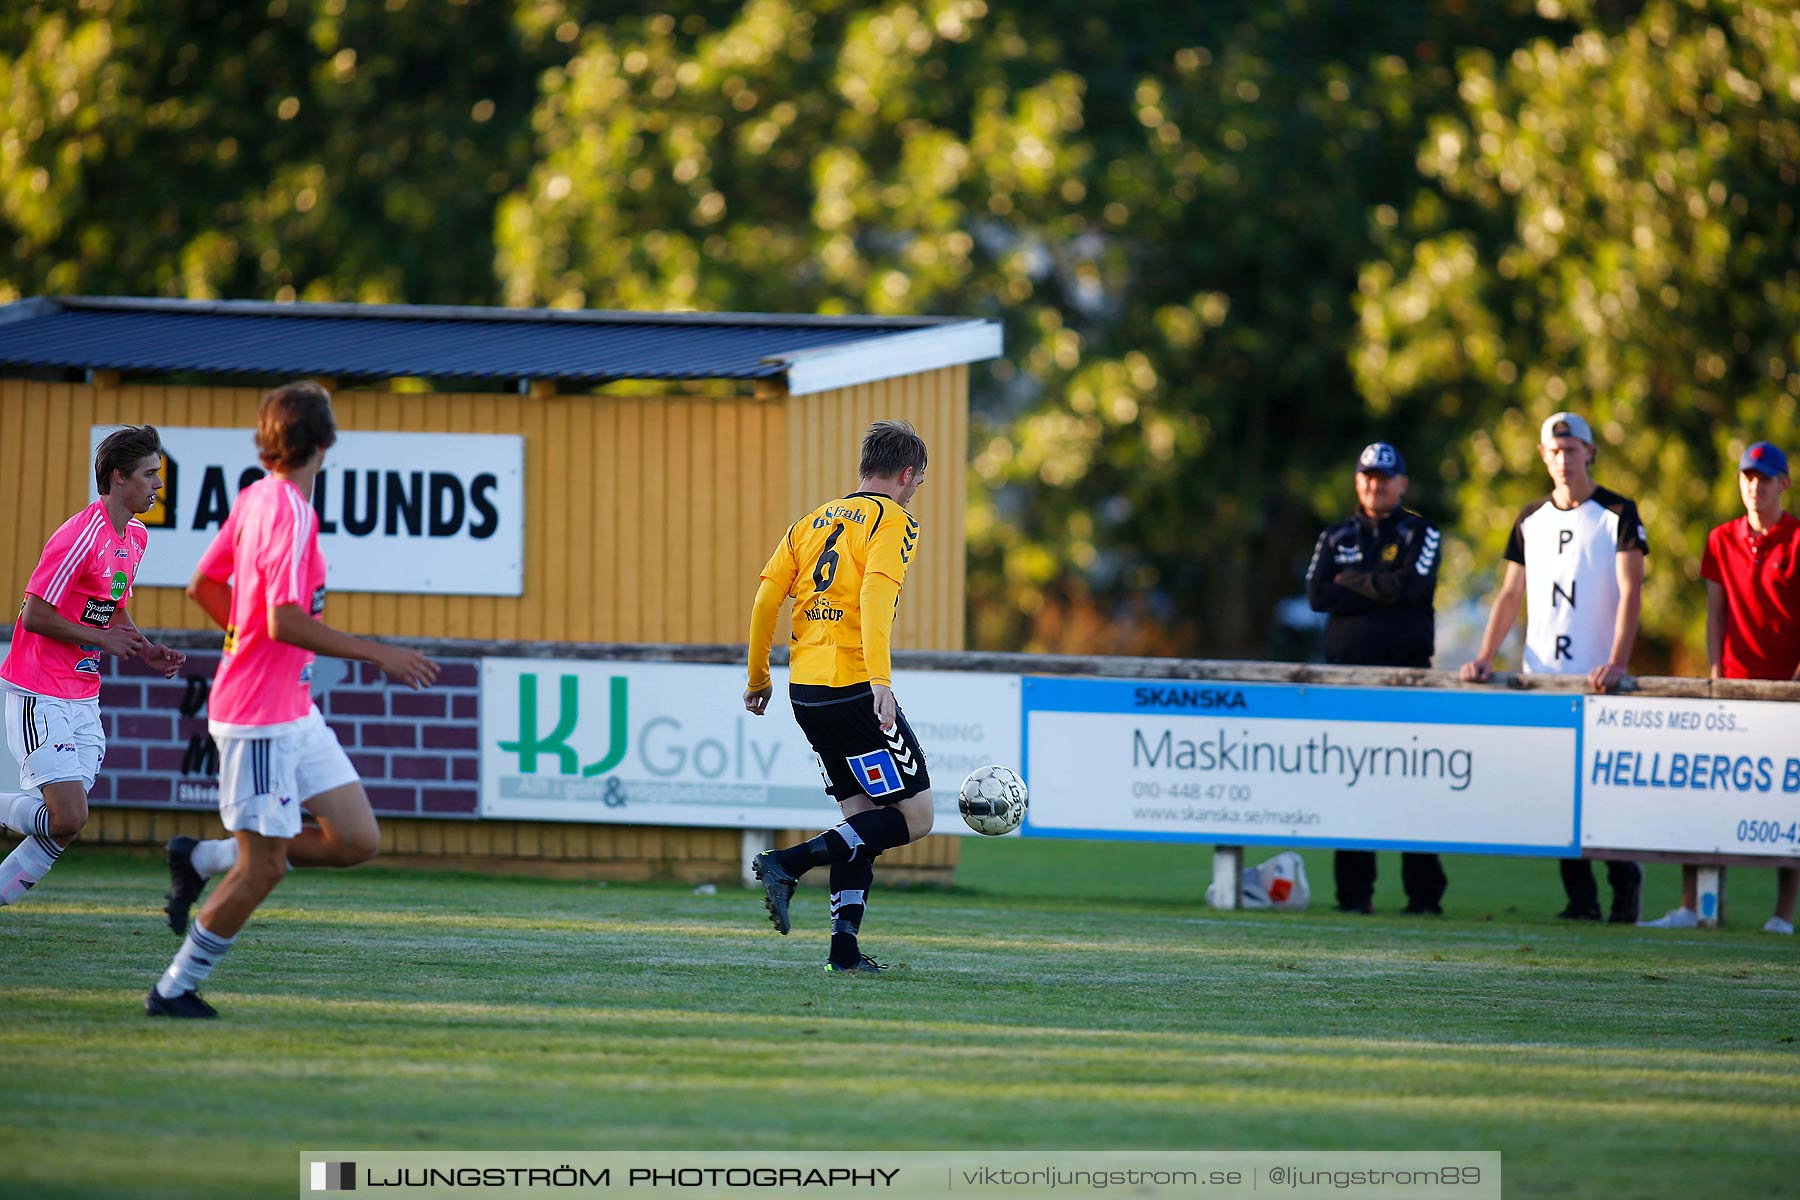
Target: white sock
[(20, 812), (29, 862), (215, 857), (198, 955)]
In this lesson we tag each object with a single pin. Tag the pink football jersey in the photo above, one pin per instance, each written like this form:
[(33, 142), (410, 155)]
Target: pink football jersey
[(269, 549), (86, 572)]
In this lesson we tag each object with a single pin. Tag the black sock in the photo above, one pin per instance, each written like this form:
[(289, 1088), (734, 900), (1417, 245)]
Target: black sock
[(867, 833), (850, 884), (816, 852)]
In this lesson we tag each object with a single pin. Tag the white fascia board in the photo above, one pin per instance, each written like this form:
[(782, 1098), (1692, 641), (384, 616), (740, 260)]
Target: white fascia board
[(889, 355)]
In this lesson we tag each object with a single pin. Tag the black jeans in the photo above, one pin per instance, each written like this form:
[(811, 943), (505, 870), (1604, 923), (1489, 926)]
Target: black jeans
[(1624, 878), (1422, 875)]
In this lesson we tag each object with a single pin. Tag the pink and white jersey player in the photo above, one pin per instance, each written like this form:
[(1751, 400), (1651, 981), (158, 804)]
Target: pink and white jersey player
[(85, 574), (263, 581), (270, 544), (74, 612)]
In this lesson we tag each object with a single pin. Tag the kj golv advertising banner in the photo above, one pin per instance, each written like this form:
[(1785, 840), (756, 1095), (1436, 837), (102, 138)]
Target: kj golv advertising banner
[(433, 513), (1708, 775), (1272, 764), (671, 744)]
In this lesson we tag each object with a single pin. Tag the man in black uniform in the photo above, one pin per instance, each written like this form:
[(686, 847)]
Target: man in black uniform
[(1376, 574)]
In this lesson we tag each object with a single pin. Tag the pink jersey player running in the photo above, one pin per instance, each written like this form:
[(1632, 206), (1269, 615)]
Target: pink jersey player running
[(74, 612), (263, 580)]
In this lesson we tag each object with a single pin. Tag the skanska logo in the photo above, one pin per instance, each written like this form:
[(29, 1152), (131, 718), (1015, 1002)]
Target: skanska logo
[(1188, 697)]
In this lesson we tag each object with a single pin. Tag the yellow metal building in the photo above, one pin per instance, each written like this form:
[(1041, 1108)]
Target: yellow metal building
[(647, 514)]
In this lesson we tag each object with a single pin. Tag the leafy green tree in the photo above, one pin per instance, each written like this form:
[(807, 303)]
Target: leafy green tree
[(1610, 229), (317, 149), (1168, 208), (1168, 212)]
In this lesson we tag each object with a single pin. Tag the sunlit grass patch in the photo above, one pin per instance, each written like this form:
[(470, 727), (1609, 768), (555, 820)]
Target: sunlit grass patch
[(389, 1010)]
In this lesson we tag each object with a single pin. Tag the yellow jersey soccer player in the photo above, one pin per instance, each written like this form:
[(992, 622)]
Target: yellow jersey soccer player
[(844, 564)]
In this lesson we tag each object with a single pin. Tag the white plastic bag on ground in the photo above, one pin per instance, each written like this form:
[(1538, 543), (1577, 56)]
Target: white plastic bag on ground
[(1278, 883)]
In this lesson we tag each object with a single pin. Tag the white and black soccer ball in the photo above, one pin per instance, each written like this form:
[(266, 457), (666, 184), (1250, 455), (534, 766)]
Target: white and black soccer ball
[(992, 800)]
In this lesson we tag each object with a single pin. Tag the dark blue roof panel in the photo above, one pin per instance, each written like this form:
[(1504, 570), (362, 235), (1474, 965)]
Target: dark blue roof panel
[(163, 337)]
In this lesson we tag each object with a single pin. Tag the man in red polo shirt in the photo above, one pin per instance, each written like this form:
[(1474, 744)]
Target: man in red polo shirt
[(1752, 573)]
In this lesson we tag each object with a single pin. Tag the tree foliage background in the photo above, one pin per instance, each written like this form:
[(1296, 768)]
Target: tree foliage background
[(1632, 253), (1230, 243)]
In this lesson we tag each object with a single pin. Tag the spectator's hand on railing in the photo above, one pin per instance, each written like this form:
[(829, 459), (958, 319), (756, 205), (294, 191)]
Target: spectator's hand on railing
[(1478, 670), (1605, 677)]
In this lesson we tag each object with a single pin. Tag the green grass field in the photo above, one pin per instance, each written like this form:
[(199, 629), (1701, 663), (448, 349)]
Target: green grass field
[(1067, 995)]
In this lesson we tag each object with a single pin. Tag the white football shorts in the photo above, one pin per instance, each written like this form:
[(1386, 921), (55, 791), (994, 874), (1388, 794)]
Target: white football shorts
[(54, 740), (264, 782)]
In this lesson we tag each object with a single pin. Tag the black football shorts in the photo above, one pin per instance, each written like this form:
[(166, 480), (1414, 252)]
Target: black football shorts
[(856, 755)]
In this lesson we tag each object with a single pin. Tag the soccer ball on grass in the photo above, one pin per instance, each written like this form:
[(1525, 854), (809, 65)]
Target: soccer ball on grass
[(992, 800)]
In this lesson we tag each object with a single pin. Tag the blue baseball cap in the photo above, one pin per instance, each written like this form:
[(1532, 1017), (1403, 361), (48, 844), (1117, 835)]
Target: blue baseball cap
[(1764, 459), (1379, 458)]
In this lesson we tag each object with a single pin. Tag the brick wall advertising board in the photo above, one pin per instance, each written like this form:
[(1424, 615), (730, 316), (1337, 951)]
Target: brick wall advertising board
[(416, 751)]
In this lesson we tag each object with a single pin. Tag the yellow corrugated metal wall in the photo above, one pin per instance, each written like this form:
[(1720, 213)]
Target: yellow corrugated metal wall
[(537, 847), (647, 518)]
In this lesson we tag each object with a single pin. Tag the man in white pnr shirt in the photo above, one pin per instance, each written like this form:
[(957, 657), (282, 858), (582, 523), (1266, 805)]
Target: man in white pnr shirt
[(1576, 560)]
